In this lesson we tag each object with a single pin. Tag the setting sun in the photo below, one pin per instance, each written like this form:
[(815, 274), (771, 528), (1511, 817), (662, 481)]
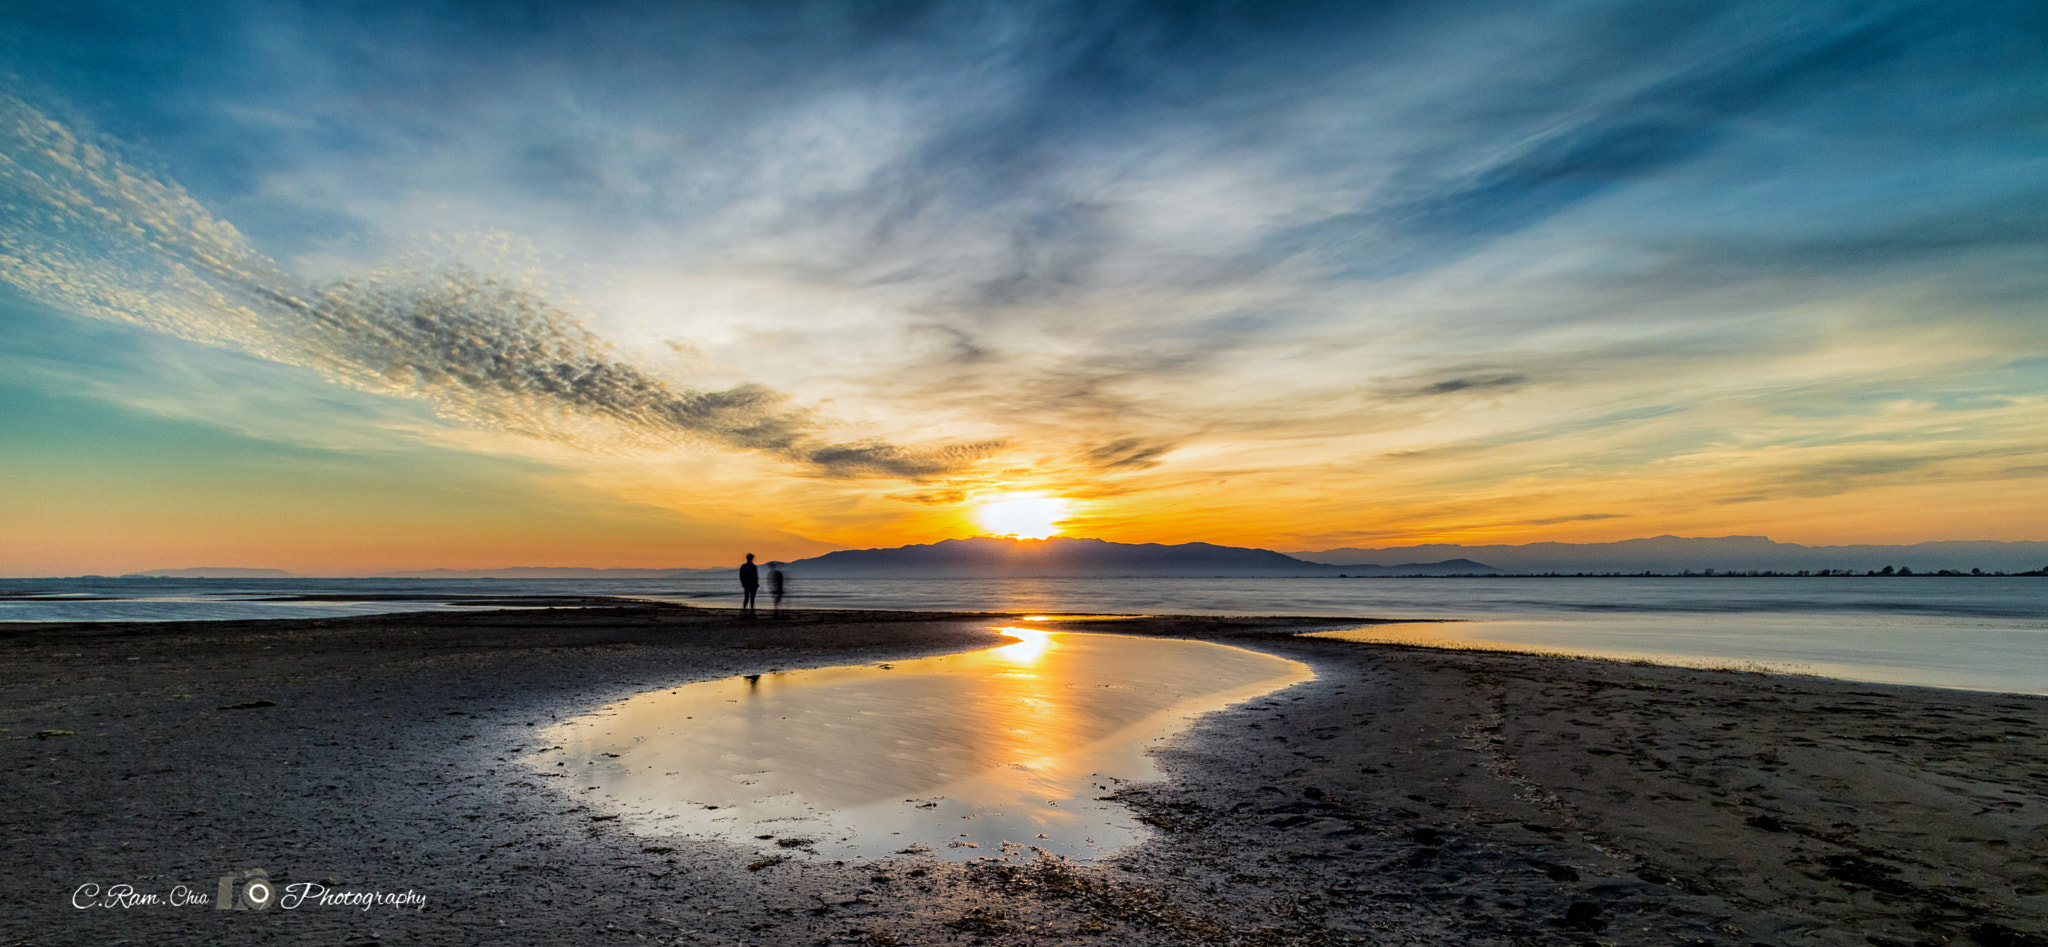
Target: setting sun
[(1028, 516)]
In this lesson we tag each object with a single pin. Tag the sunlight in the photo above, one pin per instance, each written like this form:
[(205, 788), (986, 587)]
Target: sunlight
[(1022, 515), (1030, 646)]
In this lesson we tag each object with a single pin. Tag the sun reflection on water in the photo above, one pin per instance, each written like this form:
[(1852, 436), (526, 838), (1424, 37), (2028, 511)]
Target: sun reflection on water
[(1030, 646), (970, 755)]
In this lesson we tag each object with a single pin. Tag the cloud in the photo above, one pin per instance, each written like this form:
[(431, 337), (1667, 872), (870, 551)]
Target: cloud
[(98, 237), (877, 459), (1845, 474), (1464, 383), (1581, 518), (931, 497), (1128, 453)]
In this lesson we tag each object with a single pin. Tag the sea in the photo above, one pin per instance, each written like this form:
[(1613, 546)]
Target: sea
[(1971, 632)]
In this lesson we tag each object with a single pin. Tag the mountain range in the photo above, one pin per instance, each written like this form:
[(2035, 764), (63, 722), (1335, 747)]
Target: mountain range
[(545, 572), (214, 572), (1063, 557), (1676, 554)]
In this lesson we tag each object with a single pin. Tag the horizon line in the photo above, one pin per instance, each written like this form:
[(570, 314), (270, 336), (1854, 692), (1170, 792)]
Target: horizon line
[(402, 572)]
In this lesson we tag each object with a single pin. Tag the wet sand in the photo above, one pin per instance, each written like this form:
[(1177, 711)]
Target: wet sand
[(1405, 796)]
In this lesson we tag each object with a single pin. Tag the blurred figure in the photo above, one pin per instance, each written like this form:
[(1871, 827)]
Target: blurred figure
[(750, 582), (777, 585)]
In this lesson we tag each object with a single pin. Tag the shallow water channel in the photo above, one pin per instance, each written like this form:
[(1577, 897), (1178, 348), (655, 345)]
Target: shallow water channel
[(998, 752)]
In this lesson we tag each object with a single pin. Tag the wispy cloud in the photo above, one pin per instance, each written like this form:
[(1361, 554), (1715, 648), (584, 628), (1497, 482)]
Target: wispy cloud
[(1128, 453), (1450, 386), (99, 237)]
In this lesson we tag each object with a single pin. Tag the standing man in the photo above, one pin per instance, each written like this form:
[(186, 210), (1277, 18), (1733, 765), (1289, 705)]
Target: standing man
[(750, 582)]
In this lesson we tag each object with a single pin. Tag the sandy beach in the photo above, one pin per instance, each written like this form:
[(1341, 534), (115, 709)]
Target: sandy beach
[(1405, 796)]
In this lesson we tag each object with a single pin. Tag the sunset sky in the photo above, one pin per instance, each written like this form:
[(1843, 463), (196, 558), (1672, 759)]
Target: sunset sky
[(339, 288)]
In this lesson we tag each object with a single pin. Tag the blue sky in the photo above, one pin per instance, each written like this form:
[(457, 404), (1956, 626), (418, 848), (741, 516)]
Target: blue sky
[(814, 275)]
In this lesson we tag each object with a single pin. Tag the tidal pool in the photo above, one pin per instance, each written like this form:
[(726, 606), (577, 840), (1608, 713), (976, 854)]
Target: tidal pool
[(1001, 752)]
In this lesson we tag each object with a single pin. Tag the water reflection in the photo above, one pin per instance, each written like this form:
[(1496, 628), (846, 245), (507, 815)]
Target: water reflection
[(1030, 646), (1993, 653), (989, 753)]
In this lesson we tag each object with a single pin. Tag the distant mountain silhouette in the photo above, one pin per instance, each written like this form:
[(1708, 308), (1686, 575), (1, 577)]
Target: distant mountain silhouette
[(545, 572), (214, 572), (1446, 567), (1674, 554), (1063, 557)]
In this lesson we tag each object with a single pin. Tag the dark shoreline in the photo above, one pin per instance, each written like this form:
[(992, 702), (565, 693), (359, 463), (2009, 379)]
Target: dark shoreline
[(1407, 795)]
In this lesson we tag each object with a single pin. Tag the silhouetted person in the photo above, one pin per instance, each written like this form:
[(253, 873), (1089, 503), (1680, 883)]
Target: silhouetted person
[(777, 585), (750, 582)]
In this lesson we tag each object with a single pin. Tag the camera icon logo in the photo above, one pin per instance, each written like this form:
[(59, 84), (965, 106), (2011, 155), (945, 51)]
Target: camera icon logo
[(250, 890)]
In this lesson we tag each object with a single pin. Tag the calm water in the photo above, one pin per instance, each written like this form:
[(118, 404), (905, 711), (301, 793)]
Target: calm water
[(996, 753), (1929, 651), (1985, 633)]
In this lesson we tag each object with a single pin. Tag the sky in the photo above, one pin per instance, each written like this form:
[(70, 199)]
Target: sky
[(341, 288)]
